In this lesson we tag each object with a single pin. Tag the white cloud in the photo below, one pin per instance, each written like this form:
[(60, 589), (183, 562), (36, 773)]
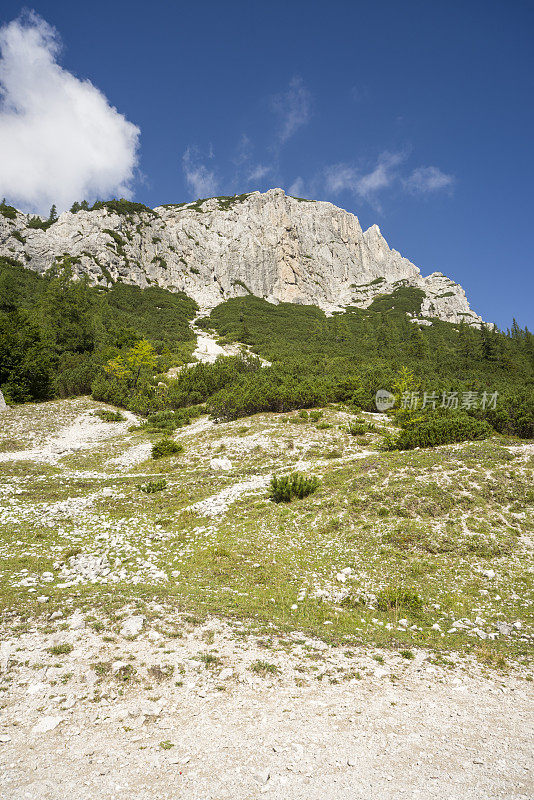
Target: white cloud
[(342, 177), (428, 179), (384, 175), (258, 172), (297, 188), (60, 139), (293, 108), (243, 151), (201, 180), (358, 93), (248, 169), (381, 176)]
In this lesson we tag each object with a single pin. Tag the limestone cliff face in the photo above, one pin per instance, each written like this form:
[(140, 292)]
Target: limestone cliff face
[(271, 245)]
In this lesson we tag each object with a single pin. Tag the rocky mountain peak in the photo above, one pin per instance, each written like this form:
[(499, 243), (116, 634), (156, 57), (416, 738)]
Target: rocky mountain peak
[(281, 248)]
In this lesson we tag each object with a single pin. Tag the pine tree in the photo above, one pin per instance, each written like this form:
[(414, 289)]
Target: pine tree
[(418, 345), (488, 343), (516, 332)]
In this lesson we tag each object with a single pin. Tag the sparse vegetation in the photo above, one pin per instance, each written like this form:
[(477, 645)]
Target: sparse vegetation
[(166, 745), (210, 660), (9, 212), (123, 207), (264, 668), (418, 528)]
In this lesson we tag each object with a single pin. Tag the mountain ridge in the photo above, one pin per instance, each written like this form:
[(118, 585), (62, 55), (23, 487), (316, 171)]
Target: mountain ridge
[(271, 245)]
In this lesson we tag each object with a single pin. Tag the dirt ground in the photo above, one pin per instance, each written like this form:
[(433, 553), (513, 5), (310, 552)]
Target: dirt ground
[(156, 717)]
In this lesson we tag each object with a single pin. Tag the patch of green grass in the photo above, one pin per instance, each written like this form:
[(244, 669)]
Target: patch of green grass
[(399, 598), (210, 660), (102, 668), (166, 745), (264, 668), (61, 649)]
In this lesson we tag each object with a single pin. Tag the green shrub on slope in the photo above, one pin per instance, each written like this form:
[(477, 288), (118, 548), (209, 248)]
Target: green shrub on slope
[(286, 488), (166, 447), (431, 430)]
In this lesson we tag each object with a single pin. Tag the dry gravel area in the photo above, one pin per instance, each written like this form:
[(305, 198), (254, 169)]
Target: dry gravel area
[(223, 730)]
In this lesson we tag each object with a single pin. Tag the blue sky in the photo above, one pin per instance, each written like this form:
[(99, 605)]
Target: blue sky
[(417, 116)]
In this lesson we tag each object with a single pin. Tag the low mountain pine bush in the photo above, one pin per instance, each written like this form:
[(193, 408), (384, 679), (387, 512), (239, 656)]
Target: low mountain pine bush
[(166, 447), (151, 487), (431, 430), (287, 487)]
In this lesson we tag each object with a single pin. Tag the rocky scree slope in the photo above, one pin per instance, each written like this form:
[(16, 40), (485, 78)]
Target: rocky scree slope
[(277, 247)]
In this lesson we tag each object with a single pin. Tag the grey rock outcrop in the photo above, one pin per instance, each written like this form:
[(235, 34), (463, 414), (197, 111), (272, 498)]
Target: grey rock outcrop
[(271, 245)]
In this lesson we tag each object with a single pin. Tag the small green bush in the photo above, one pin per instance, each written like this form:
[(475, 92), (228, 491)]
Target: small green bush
[(153, 486), (168, 420), (166, 447), (210, 660), (357, 427), (101, 668), (9, 212), (396, 598), (109, 416), (353, 601), (125, 673), (287, 487)]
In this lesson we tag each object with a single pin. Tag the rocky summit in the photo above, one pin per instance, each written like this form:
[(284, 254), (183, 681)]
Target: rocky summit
[(277, 247)]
